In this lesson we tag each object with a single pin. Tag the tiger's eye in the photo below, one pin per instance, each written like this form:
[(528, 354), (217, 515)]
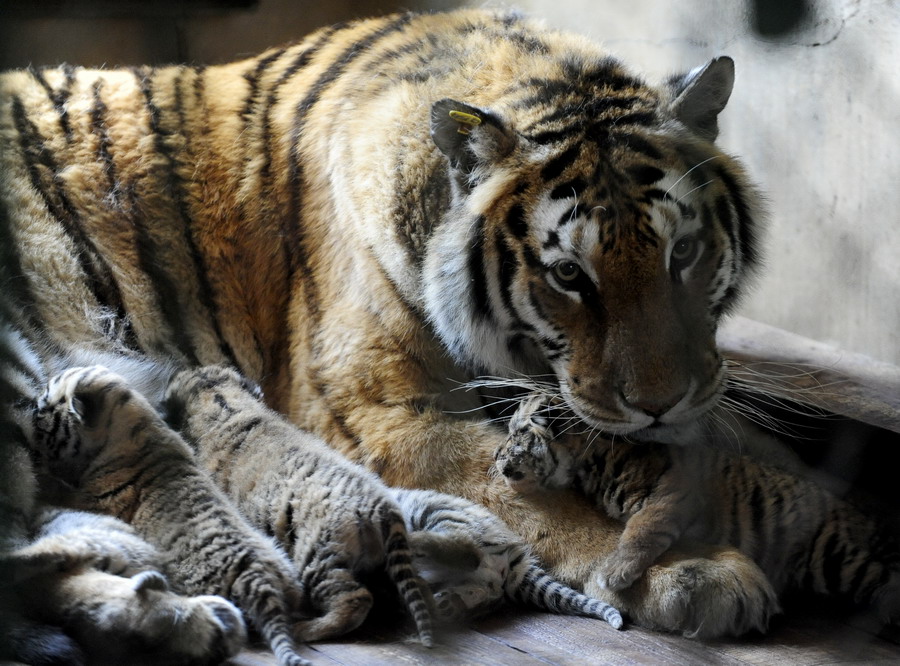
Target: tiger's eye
[(567, 271), (684, 252)]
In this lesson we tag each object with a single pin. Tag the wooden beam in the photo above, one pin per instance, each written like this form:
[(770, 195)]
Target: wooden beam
[(774, 361)]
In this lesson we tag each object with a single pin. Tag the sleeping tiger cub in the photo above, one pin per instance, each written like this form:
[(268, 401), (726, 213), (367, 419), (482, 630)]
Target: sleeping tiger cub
[(473, 561), (95, 433), (95, 579), (335, 518), (798, 533)]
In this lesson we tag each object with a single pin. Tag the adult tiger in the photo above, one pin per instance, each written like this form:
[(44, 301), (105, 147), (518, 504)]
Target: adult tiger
[(362, 220)]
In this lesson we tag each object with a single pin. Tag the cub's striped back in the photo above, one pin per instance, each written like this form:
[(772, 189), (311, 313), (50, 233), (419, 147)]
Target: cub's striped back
[(335, 519)]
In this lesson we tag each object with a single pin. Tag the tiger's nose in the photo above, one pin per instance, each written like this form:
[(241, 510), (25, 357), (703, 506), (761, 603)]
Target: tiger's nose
[(655, 406)]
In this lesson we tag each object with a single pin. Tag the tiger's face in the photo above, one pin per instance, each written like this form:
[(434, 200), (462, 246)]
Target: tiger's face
[(608, 255)]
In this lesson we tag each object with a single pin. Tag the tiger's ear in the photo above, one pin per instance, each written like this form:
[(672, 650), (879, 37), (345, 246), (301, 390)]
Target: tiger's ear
[(700, 95), (469, 136)]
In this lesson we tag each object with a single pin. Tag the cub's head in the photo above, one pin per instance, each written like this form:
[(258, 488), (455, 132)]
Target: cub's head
[(595, 230)]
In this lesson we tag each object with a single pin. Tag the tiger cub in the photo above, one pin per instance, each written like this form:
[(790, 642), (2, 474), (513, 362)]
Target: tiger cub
[(798, 533), (472, 561), (93, 577), (96, 433), (336, 519)]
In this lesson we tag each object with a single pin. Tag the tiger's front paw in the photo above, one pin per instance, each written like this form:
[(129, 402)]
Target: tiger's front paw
[(530, 458), (706, 592)]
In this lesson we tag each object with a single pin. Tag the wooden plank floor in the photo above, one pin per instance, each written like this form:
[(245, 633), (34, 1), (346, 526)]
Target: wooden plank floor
[(813, 634)]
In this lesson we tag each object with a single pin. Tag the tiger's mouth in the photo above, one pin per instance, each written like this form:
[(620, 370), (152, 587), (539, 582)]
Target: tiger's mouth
[(601, 420), (682, 426)]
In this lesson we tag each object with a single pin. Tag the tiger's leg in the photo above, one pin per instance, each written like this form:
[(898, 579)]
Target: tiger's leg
[(90, 575), (343, 601)]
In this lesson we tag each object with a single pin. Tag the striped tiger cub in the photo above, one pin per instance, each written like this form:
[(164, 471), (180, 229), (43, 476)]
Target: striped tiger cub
[(473, 561), (95, 433), (95, 579), (336, 519), (364, 219), (801, 535)]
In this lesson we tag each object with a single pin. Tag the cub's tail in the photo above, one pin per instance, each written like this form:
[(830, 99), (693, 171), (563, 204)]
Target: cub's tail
[(414, 592), (277, 633), (540, 589)]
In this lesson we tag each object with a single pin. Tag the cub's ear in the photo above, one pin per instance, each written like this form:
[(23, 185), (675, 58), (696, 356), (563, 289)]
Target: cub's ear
[(85, 407), (149, 580), (469, 136), (700, 95)]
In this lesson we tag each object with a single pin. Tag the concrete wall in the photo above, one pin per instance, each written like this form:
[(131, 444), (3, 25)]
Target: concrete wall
[(815, 115)]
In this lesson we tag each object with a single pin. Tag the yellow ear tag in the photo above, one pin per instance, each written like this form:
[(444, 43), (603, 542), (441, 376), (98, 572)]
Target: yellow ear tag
[(466, 121)]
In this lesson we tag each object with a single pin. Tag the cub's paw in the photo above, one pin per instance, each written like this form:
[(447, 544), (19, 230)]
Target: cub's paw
[(530, 458), (620, 569), (185, 385), (81, 409), (464, 602), (705, 592), (176, 628)]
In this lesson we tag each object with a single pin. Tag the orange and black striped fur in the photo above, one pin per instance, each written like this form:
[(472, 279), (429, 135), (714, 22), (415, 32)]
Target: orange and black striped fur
[(336, 519), (105, 440), (364, 219), (801, 535)]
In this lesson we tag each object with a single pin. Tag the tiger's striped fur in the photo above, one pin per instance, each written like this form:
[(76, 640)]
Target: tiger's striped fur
[(94, 432), (473, 561), (336, 519), (318, 218), (800, 534)]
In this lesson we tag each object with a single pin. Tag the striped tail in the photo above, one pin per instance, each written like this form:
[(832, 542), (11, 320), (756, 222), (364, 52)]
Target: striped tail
[(272, 623), (539, 589), (413, 590)]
